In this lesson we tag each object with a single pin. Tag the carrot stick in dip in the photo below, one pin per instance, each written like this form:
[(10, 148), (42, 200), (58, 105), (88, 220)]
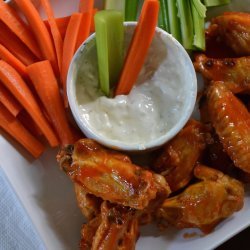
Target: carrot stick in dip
[(69, 47), (10, 17), (46, 86), (86, 8), (9, 101), (58, 42), (16, 85), (139, 46), (8, 57), (39, 29), (10, 41), (14, 128)]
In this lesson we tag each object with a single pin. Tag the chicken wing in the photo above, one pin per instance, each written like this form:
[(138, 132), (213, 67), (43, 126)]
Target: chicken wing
[(116, 228), (234, 72), (206, 203), (110, 175), (231, 121), (89, 204), (234, 29), (216, 156), (88, 232), (180, 155)]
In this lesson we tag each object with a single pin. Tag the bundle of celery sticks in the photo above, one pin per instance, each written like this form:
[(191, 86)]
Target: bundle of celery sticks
[(184, 19)]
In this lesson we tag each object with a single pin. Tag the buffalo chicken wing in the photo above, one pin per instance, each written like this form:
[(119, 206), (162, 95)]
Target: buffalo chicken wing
[(116, 228), (234, 72), (206, 203), (231, 121), (111, 176), (234, 29), (179, 156)]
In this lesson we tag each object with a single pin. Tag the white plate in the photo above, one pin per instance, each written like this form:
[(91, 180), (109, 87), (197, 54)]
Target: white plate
[(47, 193)]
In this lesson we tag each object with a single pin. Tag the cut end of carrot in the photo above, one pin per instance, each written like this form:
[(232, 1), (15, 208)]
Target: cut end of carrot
[(8, 57), (9, 101)]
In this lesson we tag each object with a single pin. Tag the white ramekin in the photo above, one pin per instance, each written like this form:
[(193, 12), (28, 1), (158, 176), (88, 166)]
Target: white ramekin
[(183, 118)]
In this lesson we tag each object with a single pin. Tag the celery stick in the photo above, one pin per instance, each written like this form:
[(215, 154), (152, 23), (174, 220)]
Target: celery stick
[(212, 3), (200, 7), (160, 21), (131, 10), (115, 5), (174, 20), (140, 3), (199, 27), (109, 42), (163, 16), (184, 12)]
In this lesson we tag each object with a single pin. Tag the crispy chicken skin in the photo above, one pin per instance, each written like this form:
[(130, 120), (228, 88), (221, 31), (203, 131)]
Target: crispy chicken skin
[(116, 228), (88, 232), (234, 72), (234, 29), (204, 204), (180, 155), (231, 121), (89, 204), (146, 215), (110, 175)]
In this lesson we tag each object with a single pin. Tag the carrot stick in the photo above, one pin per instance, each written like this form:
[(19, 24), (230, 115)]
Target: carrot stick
[(58, 42), (44, 80), (139, 46), (10, 17), (14, 127), (86, 8), (92, 26), (14, 82), (62, 24), (39, 30), (69, 47), (15, 46), (9, 101), (28, 123), (13, 61), (85, 5)]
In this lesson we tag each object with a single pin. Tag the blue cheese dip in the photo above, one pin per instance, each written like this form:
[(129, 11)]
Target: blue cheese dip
[(154, 106)]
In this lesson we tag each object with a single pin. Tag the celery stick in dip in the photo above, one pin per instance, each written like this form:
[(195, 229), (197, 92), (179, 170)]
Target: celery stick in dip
[(109, 43), (162, 96)]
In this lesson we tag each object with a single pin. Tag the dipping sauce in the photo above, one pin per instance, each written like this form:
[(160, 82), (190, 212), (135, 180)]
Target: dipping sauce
[(154, 106)]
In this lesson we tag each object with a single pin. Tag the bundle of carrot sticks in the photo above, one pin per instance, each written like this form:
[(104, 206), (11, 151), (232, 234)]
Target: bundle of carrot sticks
[(35, 55)]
